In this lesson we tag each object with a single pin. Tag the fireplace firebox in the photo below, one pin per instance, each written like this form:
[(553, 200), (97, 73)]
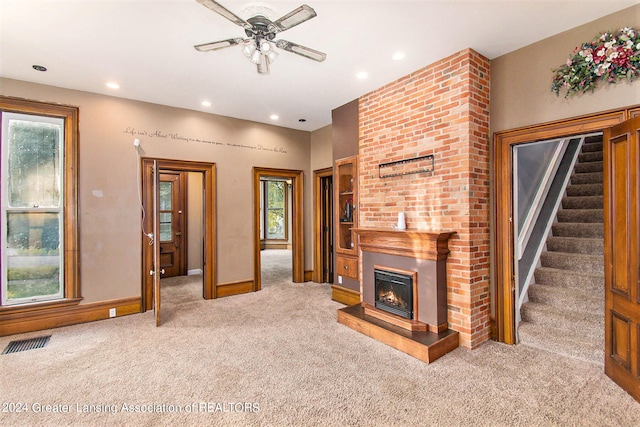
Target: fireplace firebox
[(394, 292)]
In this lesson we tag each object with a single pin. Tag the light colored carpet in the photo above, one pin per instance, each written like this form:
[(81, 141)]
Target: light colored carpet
[(280, 355), (276, 266)]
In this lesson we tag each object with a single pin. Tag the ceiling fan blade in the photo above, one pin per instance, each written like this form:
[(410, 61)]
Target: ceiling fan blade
[(307, 52), (218, 8), (205, 47), (295, 17)]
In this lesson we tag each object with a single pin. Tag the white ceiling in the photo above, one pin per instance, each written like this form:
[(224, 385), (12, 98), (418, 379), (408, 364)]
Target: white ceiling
[(147, 47)]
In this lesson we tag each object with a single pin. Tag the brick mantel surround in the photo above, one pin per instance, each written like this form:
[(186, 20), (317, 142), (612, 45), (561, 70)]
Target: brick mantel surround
[(442, 109)]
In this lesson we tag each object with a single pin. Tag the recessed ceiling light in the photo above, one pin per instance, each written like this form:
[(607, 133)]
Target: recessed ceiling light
[(362, 75), (274, 117), (206, 104), (113, 85), (39, 67), (398, 56)]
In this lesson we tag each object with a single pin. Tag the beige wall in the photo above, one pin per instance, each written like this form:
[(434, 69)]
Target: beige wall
[(321, 150), (194, 222), (521, 80), (110, 234)]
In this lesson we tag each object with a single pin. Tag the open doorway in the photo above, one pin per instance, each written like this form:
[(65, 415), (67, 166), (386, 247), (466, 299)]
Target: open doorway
[(323, 226), (181, 239), (186, 215), (275, 230), (278, 225), (504, 298)]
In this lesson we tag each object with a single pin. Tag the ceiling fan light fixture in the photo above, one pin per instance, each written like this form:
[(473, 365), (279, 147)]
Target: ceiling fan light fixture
[(256, 57), (268, 48), (263, 65), (248, 47), (260, 45), (272, 55)]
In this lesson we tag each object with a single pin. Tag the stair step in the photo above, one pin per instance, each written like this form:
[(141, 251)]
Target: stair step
[(587, 178), (588, 301), (585, 349), (578, 229), (588, 167), (593, 139), (568, 279), (581, 215), (583, 202), (592, 146), (585, 190), (578, 245), (590, 156), (577, 324), (585, 263)]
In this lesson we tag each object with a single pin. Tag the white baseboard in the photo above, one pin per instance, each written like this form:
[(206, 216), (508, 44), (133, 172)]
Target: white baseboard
[(194, 272)]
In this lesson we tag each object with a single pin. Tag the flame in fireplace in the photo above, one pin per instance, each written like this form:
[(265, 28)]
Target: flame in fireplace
[(391, 298)]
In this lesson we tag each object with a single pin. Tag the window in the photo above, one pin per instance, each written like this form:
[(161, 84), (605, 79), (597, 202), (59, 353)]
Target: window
[(38, 203), (274, 221), (166, 211)]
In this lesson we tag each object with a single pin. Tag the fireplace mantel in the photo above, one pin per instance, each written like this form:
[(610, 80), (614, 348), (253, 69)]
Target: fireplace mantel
[(414, 243)]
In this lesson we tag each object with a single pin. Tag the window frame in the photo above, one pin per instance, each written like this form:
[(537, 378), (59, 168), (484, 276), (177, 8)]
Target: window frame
[(69, 194), (265, 210), (9, 210)]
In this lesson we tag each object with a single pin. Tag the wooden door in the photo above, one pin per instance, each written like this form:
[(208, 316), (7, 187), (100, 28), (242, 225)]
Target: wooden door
[(622, 278), (327, 229), (172, 223)]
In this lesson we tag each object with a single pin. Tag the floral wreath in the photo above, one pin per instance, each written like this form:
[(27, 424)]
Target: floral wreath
[(610, 57)]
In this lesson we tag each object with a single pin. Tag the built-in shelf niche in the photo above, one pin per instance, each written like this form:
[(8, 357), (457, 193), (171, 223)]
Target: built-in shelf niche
[(346, 207)]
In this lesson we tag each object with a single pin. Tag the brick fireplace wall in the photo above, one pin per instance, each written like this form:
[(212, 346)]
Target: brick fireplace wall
[(442, 109)]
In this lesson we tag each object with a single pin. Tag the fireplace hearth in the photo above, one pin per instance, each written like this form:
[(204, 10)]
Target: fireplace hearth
[(394, 293), (404, 291)]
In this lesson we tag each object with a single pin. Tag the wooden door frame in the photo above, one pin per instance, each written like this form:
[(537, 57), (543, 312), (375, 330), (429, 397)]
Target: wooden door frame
[(502, 190), (209, 267), (297, 222), (318, 192)]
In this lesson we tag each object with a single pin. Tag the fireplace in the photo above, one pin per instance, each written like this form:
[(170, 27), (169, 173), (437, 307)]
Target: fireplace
[(404, 291), (394, 292)]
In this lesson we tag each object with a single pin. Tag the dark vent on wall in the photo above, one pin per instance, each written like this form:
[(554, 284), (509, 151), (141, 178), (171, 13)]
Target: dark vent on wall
[(23, 345)]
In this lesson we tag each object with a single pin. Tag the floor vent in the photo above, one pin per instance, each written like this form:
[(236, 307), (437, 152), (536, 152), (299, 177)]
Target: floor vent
[(23, 345)]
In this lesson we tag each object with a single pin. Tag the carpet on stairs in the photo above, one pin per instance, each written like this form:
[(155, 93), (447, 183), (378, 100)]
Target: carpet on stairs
[(565, 311)]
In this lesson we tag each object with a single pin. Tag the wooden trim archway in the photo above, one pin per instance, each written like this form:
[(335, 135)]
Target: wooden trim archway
[(209, 250), (297, 239), (504, 285)]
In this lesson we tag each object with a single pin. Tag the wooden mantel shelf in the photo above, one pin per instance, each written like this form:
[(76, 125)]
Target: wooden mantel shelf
[(414, 243)]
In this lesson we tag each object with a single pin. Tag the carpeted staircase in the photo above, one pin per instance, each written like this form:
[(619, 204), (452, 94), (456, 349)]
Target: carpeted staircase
[(565, 312)]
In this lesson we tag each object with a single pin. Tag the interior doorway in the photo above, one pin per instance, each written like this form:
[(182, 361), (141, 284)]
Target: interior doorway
[(295, 180), (504, 297), (323, 226), (171, 170)]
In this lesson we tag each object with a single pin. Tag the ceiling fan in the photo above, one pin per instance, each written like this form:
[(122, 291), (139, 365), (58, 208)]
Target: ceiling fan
[(259, 46)]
